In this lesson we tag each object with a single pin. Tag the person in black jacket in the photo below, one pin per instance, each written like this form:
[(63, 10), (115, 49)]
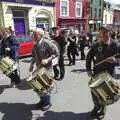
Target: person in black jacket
[(104, 48), (59, 70), (72, 48), (81, 42)]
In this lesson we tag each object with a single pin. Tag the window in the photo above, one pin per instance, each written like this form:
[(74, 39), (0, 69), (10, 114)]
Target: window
[(95, 12), (105, 19), (91, 12), (78, 9), (100, 3), (99, 12), (64, 8)]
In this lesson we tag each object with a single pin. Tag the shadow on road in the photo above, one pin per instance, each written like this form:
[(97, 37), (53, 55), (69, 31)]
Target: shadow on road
[(3, 87), (78, 70), (21, 111), (50, 115), (15, 111), (24, 85)]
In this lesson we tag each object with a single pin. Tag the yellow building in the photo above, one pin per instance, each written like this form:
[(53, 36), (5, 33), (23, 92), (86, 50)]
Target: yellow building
[(26, 15)]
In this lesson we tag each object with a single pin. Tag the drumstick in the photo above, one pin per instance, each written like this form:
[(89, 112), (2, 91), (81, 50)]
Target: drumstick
[(106, 59)]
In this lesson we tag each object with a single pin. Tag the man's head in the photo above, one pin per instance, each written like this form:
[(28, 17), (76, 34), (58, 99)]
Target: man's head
[(64, 32), (55, 31), (37, 35), (103, 35)]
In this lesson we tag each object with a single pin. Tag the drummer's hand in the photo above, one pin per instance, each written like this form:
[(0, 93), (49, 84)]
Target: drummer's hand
[(111, 60), (7, 49), (44, 61)]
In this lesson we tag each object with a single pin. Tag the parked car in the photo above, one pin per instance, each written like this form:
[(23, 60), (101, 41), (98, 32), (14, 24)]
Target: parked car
[(26, 45)]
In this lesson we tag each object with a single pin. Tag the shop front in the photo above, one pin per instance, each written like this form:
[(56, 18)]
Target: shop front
[(94, 25), (76, 24), (24, 18)]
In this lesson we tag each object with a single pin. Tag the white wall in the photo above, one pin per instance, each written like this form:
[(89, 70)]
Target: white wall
[(33, 11), (107, 17)]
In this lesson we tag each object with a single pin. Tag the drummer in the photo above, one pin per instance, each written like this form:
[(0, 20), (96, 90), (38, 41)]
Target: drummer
[(9, 47), (42, 54), (102, 49)]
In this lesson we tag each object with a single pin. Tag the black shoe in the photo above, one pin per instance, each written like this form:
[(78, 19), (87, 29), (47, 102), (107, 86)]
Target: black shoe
[(38, 105), (43, 107), (100, 115), (70, 63), (73, 63), (93, 113), (61, 77), (46, 107)]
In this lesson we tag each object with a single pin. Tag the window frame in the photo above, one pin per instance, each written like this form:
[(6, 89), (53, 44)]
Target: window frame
[(61, 7), (78, 2)]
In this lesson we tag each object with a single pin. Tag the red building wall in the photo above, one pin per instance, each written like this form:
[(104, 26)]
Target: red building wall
[(57, 11), (72, 8), (86, 12), (70, 20), (116, 19)]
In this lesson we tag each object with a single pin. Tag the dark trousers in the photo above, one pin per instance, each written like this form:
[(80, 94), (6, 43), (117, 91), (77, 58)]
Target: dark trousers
[(71, 55), (56, 71), (59, 69), (14, 77), (45, 100), (98, 106), (82, 52)]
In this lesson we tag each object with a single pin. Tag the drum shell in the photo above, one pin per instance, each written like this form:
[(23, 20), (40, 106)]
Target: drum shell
[(105, 88), (41, 81), (7, 65)]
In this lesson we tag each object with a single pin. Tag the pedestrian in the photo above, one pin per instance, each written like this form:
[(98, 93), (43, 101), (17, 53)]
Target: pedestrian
[(9, 47), (42, 54), (81, 41), (61, 41), (71, 48), (104, 47), (90, 38)]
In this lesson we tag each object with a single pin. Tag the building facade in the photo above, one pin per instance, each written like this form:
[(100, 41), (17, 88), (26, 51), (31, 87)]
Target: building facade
[(96, 18), (86, 13), (26, 15), (116, 19), (69, 13), (108, 15)]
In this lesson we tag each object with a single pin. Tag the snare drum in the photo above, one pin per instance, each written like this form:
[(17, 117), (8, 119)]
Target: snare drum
[(41, 81), (105, 88), (7, 65)]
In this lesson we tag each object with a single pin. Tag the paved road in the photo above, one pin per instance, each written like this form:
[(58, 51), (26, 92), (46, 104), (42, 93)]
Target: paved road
[(71, 102)]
